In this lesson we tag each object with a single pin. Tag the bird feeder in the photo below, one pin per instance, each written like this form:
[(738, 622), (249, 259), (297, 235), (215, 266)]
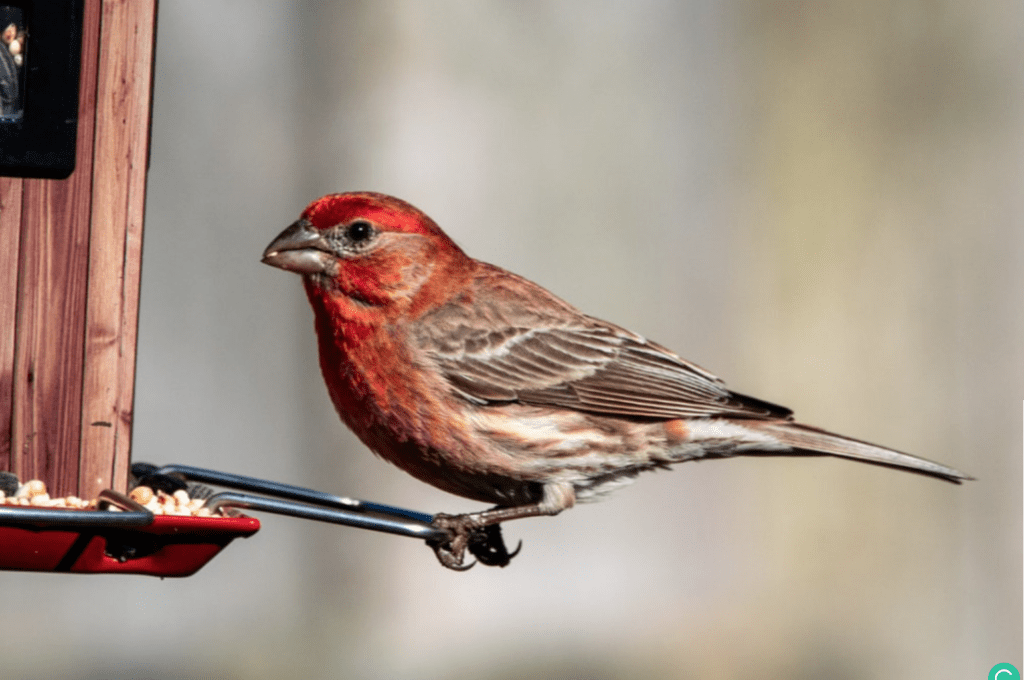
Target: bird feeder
[(76, 81)]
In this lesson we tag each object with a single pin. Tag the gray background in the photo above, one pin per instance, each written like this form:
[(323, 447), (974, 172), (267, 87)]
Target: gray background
[(821, 202)]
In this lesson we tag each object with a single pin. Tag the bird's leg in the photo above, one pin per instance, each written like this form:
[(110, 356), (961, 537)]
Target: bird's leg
[(479, 531)]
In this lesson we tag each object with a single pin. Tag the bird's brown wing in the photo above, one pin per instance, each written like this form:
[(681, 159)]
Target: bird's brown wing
[(527, 346)]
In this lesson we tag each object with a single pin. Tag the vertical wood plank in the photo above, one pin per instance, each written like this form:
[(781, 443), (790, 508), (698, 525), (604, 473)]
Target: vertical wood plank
[(10, 240), (119, 184), (50, 319)]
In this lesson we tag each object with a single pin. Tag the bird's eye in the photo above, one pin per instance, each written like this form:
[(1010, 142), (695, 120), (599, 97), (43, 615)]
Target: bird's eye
[(348, 240), (359, 232)]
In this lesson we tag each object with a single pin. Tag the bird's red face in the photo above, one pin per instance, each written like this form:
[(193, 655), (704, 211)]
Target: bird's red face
[(373, 249)]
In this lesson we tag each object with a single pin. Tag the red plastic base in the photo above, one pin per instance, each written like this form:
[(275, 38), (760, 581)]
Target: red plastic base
[(170, 546)]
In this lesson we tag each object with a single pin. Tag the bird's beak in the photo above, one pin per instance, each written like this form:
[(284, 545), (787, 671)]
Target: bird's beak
[(301, 249)]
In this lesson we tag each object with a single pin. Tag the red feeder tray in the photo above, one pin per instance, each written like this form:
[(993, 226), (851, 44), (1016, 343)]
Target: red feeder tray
[(167, 546), (135, 541)]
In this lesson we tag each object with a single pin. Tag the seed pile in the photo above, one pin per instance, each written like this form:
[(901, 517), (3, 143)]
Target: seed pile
[(162, 503), (33, 494)]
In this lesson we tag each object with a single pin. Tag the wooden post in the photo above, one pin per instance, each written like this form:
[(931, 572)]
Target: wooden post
[(70, 256)]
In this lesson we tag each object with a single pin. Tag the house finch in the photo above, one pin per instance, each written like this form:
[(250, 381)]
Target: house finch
[(486, 385)]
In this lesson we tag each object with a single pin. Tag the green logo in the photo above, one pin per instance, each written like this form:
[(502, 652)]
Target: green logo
[(1003, 671)]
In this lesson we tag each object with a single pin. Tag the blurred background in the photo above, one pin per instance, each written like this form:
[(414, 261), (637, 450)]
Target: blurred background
[(820, 202)]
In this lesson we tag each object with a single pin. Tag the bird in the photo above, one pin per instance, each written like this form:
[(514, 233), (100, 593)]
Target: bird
[(488, 386)]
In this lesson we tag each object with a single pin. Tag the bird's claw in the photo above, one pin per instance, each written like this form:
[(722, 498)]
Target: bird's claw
[(488, 547), (465, 533), (451, 553)]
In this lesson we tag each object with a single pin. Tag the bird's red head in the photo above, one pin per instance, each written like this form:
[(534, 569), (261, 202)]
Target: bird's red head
[(386, 211), (366, 251)]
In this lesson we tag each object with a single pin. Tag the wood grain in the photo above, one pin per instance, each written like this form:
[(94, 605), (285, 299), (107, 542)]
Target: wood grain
[(70, 262), (50, 317), (115, 254), (10, 240)]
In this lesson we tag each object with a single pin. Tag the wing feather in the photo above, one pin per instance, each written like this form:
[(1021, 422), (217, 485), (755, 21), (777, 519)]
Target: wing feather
[(502, 349)]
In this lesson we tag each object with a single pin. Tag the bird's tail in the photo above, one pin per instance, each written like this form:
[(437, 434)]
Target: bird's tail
[(815, 441), (725, 437)]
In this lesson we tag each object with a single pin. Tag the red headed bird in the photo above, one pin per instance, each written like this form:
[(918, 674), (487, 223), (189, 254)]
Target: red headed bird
[(484, 384)]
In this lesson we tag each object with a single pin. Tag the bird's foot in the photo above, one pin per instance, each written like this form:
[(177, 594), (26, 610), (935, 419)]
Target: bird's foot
[(466, 533), (488, 547), (452, 552)]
